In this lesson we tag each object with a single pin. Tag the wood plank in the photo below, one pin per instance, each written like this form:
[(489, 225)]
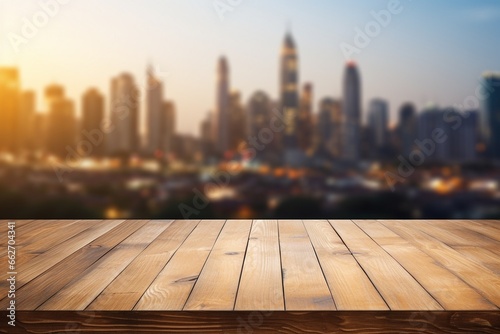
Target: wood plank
[(457, 234), (384, 271), (483, 227), (82, 290), (53, 237), (476, 275), (126, 289), (218, 282), (350, 287), (484, 256), (304, 284), (171, 288), (256, 322), (450, 291), (56, 254), (41, 288), (261, 286)]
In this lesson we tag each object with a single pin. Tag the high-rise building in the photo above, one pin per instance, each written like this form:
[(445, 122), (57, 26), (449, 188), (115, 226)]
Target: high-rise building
[(206, 135), (9, 109), (92, 120), (378, 123), (305, 119), (351, 128), (154, 108), (26, 120), (490, 119), (222, 109), (407, 128), (123, 138), (61, 127), (329, 125), (289, 92), (237, 121), (259, 110), (167, 127)]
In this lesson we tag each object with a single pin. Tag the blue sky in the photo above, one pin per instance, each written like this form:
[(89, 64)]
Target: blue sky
[(431, 51)]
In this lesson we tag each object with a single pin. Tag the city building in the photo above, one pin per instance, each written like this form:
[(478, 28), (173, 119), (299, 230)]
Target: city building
[(407, 129), (237, 121), (26, 120), (206, 137), (259, 110), (167, 127), (220, 125), (329, 126), (351, 122), (378, 123), (61, 123), (123, 137), (305, 119), (154, 110), (9, 109), (289, 92), (490, 119), (91, 128)]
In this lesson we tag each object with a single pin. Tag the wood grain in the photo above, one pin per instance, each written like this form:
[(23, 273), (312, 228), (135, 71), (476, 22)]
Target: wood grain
[(171, 288), (82, 290), (261, 286), (450, 291), (350, 287), (384, 271), (126, 289), (316, 322), (304, 284), (218, 282)]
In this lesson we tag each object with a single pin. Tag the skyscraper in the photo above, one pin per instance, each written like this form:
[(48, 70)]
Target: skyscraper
[(289, 92), (491, 114), (407, 128), (61, 128), (92, 119), (154, 107), (167, 127), (329, 128), (222, 108), (378, 122), (237, 121), (305, 119), (9, 109), (259, 111), (26, 120), (123, 138), (351, 129)]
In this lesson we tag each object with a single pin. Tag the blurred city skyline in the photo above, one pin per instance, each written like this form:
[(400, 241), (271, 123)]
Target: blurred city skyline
[(442, 47)]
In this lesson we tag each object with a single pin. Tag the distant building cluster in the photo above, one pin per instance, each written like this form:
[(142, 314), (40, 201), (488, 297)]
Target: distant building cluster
[(282, 132)]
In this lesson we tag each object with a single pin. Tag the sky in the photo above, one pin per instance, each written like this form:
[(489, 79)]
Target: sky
[(430, 51)]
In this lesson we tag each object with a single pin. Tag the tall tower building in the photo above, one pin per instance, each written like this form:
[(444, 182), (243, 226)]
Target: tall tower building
[(351, 132), (329, 125), (167, 127), (237, 121), (259, 110), (491, 114), (92, 119), (289, 92), (26, 120), (407, 128), (221, 136), (378, 123), (61, 127), (9, 109), (305, 119), (123, 139), (154, 108)]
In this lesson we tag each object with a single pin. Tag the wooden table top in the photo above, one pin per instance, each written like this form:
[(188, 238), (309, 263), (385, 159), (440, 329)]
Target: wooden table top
[(265, 265), (260, 276)]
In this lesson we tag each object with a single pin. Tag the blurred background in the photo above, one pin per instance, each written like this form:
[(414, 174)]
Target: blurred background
[(249, 109)]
